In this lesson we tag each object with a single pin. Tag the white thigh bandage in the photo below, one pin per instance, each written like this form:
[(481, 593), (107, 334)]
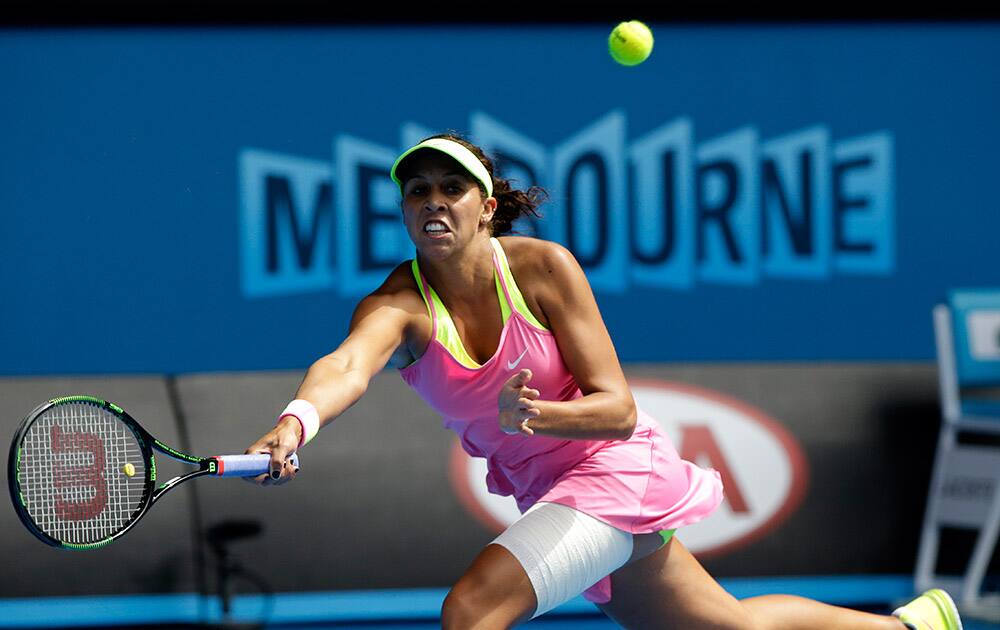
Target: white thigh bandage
[(564, 551)]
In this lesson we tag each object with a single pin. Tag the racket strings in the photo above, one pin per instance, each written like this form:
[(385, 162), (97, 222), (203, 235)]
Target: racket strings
[(73, 473)]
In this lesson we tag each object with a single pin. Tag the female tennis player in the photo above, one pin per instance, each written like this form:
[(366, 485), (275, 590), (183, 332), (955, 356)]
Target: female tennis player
[(503, 337)]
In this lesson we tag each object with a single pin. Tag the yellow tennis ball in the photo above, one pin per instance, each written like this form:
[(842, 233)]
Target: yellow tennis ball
[(129, 469), (630, 43)]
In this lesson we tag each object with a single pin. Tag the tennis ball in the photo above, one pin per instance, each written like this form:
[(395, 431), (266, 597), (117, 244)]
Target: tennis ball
[(630, 43), (129, 469)]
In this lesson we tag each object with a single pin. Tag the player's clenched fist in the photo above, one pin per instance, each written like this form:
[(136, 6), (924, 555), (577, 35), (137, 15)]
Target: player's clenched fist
[(280, 443), (516, 404)]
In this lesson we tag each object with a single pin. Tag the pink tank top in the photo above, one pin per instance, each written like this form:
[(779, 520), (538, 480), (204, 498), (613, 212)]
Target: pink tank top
[(466, 397), (638, 485)]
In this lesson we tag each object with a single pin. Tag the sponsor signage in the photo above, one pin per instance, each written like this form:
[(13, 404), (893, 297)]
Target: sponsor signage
[(762, 465), (664, 210), (728, 200)]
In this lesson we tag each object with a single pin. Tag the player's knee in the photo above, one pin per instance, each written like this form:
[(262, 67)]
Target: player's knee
[(458, 610), (465, 604), (470, 601)]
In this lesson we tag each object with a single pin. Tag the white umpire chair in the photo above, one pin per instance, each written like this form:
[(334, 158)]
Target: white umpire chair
[(965, 483)]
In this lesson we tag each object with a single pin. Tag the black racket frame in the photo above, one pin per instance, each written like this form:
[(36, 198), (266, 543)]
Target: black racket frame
[(147, 443)]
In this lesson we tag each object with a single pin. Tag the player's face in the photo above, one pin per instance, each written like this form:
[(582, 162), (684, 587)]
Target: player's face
[(443, 206)]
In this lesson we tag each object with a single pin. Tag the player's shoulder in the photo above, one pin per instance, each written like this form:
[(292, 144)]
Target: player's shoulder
[(399, 290), (536, 257)]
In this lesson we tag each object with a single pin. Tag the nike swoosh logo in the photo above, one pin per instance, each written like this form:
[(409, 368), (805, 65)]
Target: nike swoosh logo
[(513, 364)]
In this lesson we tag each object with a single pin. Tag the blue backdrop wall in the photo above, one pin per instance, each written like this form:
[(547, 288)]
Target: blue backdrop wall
[(218, 199)]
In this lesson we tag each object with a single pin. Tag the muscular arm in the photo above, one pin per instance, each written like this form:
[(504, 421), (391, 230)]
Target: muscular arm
[(338, 380), (378, 332), (606, 410)]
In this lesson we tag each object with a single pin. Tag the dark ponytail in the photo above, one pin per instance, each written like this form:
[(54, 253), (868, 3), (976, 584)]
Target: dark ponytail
[(512, 203)]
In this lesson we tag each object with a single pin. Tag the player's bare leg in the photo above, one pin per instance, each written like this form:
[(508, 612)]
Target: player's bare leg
[(494, 593), (670, 589)]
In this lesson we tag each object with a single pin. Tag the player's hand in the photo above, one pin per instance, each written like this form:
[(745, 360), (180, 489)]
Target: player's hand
[(516, 403), (280, 443)]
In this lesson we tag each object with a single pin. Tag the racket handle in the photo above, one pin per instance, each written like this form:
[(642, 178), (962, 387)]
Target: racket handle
[(247, 465)]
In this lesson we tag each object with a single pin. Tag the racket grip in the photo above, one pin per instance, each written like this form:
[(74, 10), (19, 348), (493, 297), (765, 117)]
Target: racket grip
[(247, 465)]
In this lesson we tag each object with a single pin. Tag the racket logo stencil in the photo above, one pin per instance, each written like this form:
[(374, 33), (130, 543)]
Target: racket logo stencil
[(73, 475)]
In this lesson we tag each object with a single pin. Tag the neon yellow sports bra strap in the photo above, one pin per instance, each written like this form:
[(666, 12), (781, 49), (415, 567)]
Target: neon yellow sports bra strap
[(444, 328), (504, 306), (517, 300), (415, 268)]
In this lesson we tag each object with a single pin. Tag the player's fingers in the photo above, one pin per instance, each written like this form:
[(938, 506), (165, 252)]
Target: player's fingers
[(525, 429), (278, 461), (525, 403), (527, 392), (518, 380), (288, 472), (513, 382)]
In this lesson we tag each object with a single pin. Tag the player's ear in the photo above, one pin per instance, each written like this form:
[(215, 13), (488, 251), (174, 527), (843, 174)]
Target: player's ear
[(489, 209)]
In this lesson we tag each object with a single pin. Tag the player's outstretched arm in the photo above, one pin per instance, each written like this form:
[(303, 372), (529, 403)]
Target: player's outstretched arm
[(337, 380)]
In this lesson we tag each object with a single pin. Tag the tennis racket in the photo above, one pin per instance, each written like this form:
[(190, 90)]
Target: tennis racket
[(81, 471)]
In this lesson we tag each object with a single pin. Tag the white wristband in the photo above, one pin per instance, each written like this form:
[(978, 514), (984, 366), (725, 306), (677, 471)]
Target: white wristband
[(308, 417)]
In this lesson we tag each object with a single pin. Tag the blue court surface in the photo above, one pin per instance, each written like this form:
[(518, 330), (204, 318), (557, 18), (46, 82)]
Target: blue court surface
[(413, 609)]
